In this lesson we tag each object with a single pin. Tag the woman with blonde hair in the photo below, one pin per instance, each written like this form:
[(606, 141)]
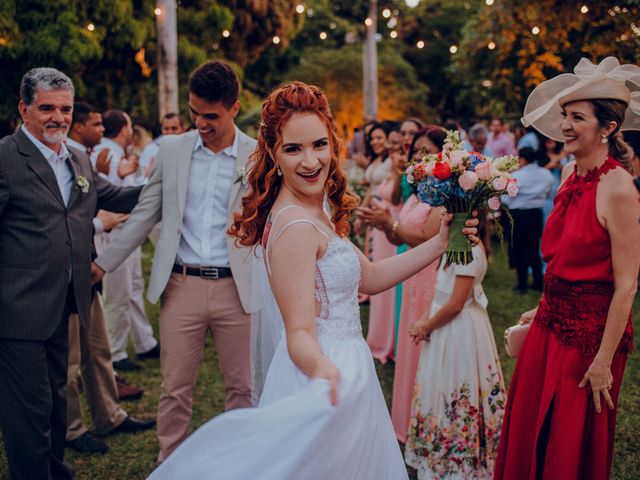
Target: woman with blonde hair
[(561, 411)]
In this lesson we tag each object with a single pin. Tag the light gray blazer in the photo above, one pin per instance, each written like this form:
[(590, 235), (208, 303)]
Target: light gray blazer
[(163, 199)]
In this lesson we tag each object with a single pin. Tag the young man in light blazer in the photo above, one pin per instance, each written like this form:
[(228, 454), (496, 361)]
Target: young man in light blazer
[(201, 277)]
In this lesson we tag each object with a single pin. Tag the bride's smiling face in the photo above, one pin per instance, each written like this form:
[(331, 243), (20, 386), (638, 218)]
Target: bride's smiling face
[(304, 156)]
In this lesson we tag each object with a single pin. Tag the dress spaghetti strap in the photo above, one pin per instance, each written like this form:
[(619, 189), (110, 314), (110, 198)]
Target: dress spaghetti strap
[(292, 222)]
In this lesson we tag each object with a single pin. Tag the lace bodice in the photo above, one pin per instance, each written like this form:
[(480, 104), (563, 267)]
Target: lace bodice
[(337, 281)]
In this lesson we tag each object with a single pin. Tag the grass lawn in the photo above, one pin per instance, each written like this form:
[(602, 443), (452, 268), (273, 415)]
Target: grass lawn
[(132, 457)]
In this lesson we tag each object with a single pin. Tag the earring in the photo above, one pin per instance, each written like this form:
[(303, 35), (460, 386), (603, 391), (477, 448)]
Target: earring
[(278, 171), (604, 139)]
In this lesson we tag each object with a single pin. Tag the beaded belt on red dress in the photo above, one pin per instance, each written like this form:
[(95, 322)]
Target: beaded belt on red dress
[(577, 313)]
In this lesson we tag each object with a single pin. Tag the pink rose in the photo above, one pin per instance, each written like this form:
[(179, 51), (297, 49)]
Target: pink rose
[(456, 158), (512, 188), (483, 170), (410, 169), (494, 203), (499, 183), (468, 180)]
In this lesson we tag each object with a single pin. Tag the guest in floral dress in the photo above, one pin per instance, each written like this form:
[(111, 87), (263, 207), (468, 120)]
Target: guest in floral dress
[(459, 396)]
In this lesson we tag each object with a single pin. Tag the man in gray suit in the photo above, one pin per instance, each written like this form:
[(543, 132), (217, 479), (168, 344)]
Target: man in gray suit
[(201, 276), (49, 194)]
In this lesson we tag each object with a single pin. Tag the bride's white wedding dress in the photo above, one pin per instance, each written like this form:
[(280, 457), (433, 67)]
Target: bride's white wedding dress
[(295, 433)]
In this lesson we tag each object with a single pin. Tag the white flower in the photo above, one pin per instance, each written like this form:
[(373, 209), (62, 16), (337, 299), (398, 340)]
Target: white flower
[(83, 184), (242, 176)]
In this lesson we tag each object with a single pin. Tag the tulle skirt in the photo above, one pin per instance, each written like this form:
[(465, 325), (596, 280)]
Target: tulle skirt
[(295, 433)]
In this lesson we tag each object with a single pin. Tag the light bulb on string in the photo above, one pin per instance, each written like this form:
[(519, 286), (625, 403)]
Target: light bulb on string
[(300, 8), (323, 35), (276, 40), (420, 44), (158, 11), (91, 27)]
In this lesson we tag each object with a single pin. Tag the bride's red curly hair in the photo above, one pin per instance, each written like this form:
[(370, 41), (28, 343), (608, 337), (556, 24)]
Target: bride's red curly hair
[(296, 97)]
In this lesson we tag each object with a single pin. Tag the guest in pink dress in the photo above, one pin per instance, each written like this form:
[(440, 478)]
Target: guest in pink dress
[(416, 223), (382, 307)]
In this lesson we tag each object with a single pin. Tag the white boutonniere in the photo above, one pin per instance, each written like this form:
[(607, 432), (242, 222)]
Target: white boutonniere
[(242, 176), (83, 184)]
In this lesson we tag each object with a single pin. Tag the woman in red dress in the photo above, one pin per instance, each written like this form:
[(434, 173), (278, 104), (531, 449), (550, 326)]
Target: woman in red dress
[(561, 411)]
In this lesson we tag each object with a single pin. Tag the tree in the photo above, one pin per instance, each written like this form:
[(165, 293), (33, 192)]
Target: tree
[(339, 73), (535, 43), (109, 48), (167, 47)]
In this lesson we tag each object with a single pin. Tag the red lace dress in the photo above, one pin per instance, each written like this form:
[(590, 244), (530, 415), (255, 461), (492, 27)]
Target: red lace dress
[(551, 429)]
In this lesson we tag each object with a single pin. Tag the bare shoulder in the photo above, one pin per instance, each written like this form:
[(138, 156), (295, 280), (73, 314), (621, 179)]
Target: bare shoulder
[(617, 184)]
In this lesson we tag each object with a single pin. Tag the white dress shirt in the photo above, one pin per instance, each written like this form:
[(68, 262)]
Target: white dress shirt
[(534, 187), (77, 145), (98, 227), (147, 156), (204, 225), (61, 170), (116, 152)]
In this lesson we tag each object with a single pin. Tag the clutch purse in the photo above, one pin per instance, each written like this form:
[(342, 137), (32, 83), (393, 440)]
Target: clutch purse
[(514, 338)]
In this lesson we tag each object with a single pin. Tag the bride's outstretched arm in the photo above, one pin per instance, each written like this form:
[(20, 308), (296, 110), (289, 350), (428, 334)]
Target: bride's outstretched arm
[(379, 276), (293, 268)]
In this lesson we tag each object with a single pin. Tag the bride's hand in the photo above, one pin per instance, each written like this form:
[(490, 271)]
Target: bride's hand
[(327, 370)]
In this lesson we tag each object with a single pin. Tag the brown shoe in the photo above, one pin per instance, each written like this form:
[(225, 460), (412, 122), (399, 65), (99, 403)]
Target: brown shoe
[(126, 391)]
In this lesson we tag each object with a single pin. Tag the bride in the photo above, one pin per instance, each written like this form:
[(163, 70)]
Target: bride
[(322, 414)]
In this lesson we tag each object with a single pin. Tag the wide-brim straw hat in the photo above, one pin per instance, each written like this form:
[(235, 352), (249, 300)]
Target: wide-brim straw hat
[(606, 81)]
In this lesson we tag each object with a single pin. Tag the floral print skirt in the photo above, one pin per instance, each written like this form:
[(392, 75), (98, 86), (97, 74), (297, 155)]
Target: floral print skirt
[(459, 399)]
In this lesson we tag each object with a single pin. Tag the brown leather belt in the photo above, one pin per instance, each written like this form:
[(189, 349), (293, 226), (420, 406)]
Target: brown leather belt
[(210, 273)]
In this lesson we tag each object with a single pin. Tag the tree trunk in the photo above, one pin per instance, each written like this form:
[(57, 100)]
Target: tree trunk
[(370, 64), (167, 57)]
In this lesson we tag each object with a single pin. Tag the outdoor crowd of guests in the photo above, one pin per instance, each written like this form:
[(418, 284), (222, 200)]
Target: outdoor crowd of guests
[(91, 187)]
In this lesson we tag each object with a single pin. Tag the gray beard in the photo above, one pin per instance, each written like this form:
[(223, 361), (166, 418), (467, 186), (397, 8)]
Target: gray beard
[(55, 138)]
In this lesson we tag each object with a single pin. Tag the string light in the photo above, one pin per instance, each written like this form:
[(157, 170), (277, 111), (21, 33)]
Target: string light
[(453, 48), (323, 35), (393, 34), (386, 13), (91, 27), (226, 33), (491, 45), (487, 83), (420, 44), (584, 9), (535, 30), (300, 8), (368, 22), (276, 40), (158, 11), (489, 2)]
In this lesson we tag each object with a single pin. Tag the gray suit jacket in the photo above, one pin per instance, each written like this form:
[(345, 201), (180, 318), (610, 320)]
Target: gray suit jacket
[(42, 242), (164, 198)]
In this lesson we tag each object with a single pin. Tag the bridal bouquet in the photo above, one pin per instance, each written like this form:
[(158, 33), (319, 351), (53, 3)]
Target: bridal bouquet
[(462, 181)]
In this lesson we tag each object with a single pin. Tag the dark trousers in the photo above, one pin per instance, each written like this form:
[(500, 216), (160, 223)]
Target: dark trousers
[(527, 232), (33, 404)]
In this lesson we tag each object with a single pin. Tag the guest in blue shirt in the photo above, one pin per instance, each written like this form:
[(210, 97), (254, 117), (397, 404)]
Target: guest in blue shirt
[(535, 183)]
